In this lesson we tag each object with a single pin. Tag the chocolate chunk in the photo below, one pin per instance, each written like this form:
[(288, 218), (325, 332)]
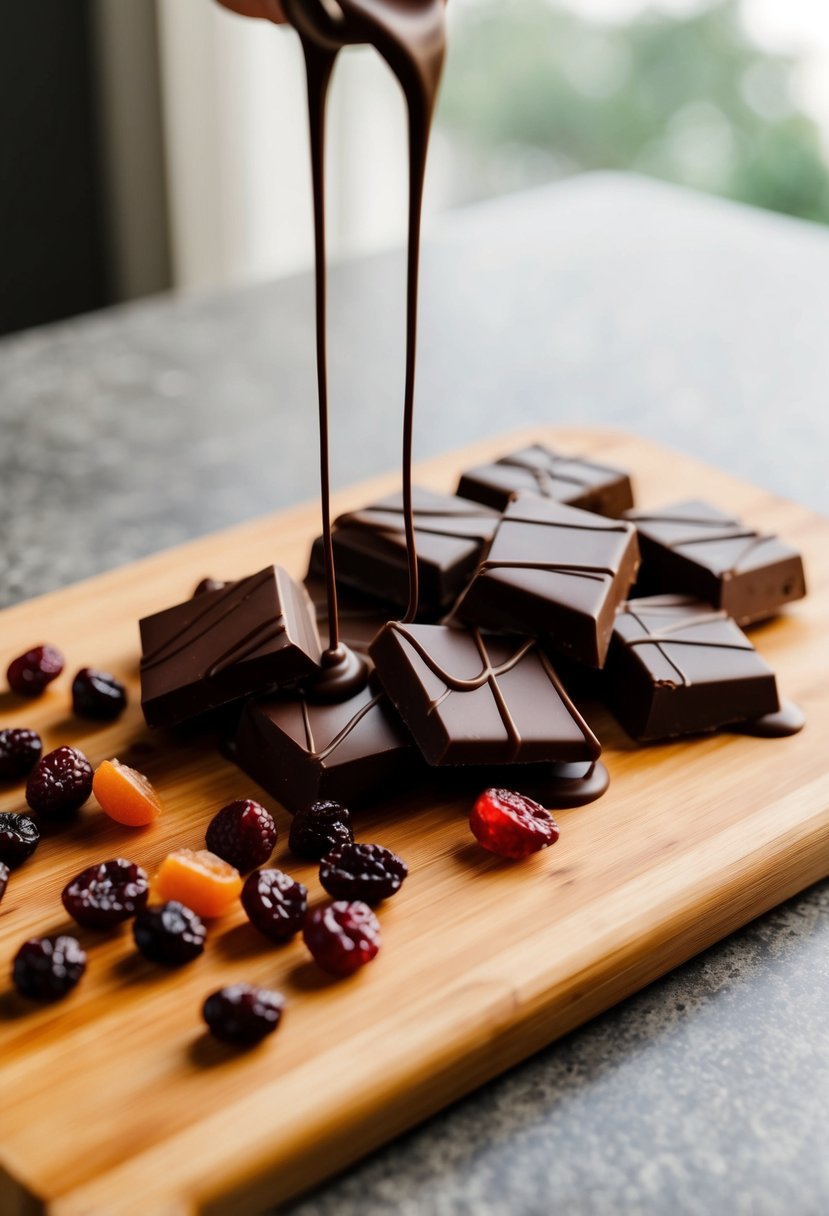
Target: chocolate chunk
[(361, 616), (695, 548), (248, 637), (301, 752), (470, 698), (557, 573), (370, 547), (678, 666), (573, 480)]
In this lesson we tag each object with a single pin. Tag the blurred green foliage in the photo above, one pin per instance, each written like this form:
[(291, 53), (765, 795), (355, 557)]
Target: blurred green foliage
[(533, 90)]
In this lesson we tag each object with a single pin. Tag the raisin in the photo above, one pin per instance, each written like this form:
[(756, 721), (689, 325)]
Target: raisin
[(30, 673), (242, 833), (362, 871), (275, 904), (48, 968), (20, 751), (19, 837), (243, 1014), (318, 829), (98, 695), (106, 894), (342, 937), (169, 933), (511, 824)]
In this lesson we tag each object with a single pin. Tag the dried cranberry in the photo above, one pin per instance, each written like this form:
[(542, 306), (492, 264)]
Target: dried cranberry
[(362, 871), (98, 695), (4, 879), (29, 673), (106, 894), (210, 584), (243, 833), (19, 837), (60, 783), (243, 1014), (169, 933), (511, 824), (275, 904), (342, 936), (19, 751), (47, 968), (318, 829)]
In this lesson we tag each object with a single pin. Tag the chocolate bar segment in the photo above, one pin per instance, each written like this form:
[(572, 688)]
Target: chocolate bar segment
[(247, 637), (557, 573), (695, 548), (677, 666), (301, 752), (539, 470), (370, 547), (470, 698)]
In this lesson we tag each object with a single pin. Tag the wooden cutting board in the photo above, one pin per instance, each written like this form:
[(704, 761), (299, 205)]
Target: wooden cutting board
[(115, 1101)]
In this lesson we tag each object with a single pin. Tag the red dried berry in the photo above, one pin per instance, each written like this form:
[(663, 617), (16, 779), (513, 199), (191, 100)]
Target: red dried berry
[(511, 825), (318, 829), (106, 894), (4, 879), (19, 751), (29, 673), (209, 584), (19, 837), (242, 833), (47, 968), (60, 783), (169, 933), (275, 904), (98, 695), (242, 1014), (342, 936), (362, 871)]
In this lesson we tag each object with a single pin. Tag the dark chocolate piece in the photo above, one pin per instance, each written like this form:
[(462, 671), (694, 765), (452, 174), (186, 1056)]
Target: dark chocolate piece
[(557, 573), (695, 548), (470, 698), (370, 547), (361, 616), (301, 752), (248, 637), (538, 470), (677, 666)]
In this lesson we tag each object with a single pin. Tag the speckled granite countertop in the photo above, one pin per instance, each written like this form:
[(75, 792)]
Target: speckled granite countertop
[(606, 300)]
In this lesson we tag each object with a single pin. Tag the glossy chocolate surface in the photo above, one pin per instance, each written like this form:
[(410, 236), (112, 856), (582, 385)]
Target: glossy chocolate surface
[(554, 572), (361, 616), (537, 469), (470, 698), (247, 637), (695, 548), (677, 666)]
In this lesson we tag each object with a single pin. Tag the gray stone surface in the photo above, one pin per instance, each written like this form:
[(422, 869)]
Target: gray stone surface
[(607, 300)]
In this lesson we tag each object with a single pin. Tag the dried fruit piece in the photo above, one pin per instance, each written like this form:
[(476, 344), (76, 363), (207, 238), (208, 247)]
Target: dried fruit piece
[(200, 880), (47, 968), (511, 824), (275, 904), (362, 871), (169, 933), (106, 894), (4, 879), (98, 695), (243, 1014), (242, 833), (29, 673), (317, 830), (20, 751), (125, 794), (19, 837), (342, 936), (60, 783)]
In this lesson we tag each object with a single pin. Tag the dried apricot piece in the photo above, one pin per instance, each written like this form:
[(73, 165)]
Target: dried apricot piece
[(200, 880), (125, 794)]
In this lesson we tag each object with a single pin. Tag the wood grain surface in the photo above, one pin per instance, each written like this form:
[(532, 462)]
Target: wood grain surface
[(115, 1101)]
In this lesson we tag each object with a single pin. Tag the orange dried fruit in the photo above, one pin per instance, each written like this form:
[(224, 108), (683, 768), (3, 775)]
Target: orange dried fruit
[(200, 880), (125, 794)]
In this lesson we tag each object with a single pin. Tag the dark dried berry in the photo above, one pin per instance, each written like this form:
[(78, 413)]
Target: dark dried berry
[(511, 824), (4, 879), (106, 894), (243, 1014), (98, 695), (29, 673), (19, 837), (19, 751), (317, 830), (169, 933), (242, 833), (60, 783), (342, 936), (362, 871), (209, 584), (47, 968), (275, 904)]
